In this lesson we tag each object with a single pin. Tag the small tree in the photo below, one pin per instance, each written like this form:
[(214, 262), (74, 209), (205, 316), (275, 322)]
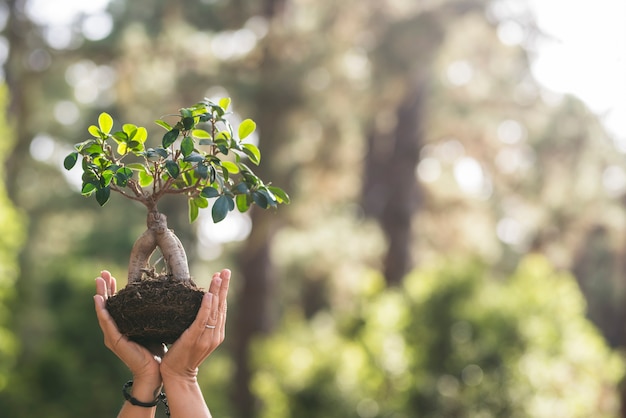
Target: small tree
[(201, 158)]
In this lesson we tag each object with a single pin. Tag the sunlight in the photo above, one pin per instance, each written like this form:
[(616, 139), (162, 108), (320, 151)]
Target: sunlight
[(57, 18), (62, 12), (586, 55)]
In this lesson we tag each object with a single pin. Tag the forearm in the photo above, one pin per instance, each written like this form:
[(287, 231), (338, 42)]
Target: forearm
[(132, 411), (185, 397)]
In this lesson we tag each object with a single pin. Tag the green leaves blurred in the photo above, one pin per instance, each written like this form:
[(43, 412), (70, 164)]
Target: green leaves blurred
[(451, 342), (199, 157)]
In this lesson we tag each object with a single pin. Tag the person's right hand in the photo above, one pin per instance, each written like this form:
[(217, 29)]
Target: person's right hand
[(203, 336), (142, 363)]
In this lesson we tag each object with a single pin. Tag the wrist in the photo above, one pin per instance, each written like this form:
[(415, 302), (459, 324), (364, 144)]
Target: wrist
[(181, 376), (138, 396), (145, 389)]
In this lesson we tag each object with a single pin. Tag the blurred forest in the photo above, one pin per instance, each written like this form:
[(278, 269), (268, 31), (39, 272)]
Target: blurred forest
[(454, 246)]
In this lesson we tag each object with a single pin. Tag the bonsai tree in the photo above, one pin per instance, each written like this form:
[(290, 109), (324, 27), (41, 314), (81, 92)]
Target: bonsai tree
[(201, 157)]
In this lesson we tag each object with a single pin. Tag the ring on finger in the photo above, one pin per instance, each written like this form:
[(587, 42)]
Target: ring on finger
[(210, 326)]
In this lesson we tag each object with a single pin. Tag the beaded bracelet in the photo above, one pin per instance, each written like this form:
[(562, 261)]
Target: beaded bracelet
[(160, 398)]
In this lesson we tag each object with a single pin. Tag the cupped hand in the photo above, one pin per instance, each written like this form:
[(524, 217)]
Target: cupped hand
[(142, 363), (203, 336)]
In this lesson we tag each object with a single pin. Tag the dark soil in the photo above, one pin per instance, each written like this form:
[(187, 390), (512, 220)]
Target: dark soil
[(155, 310)]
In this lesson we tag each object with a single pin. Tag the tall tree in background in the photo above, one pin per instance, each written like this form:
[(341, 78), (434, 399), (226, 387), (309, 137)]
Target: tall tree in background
[(274, 96)]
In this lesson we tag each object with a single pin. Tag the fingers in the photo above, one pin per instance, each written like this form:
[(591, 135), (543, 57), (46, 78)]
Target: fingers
[(111, 283), (213, 304), (223, 305), (225, 276), (105, 288), (106, 285), (109, 329), (214, 289), (101, 288), (204, 313)]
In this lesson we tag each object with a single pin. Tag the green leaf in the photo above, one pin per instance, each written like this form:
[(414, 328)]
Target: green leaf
[(260, 199), (92, 149), (172, 168), (120, 137), (102, 195), (122, 148), (187, 146), (231, 167), (201, 134), (209, 192), (194, 157), (193, 211), (201, 202), (271, 199), (89, 177), (186, 113), (94, 131), (170, 137), (224, 102), (137, 147), (130, 130), (240, 188), (145, 178), (105, 121), (221, 207), (280, 194), (188, 122), (70, 160), (80, 146), (157, 153), (163, 124), (140, 135), (122, 176), (243, 202), (252, 151), (246, 128), (88, 189), (106, 178), (137, 167), (222, 135), (202, 170)]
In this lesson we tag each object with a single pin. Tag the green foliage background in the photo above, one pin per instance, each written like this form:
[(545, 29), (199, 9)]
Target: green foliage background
[(11, 238), (451, 342), (507, 298)]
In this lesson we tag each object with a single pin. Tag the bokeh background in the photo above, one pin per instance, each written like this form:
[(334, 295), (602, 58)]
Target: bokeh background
[(455, 242)]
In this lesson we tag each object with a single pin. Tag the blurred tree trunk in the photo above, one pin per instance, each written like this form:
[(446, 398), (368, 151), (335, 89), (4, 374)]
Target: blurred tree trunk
[(256, 314), (403, 61), (23, 88), (391, 193), (403, 64)]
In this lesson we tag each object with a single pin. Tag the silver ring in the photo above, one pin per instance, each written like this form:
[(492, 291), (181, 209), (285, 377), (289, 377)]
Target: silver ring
[(210, 326)]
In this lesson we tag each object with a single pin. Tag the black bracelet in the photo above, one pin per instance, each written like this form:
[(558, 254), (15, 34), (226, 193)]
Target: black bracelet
[(136, 402)]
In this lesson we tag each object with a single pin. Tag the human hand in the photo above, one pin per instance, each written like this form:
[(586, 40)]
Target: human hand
[(142, 363), (203, 336)]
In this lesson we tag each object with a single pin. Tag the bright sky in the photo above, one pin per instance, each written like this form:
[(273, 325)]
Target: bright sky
[(588, 55)]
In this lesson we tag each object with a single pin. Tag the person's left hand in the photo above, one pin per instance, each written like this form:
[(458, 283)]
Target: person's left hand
[(203, 336), (143, 364)]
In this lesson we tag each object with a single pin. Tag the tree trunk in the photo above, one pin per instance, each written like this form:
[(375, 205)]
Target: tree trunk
[(255, 315), (391, 192), (23, 87), (397, 216)]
